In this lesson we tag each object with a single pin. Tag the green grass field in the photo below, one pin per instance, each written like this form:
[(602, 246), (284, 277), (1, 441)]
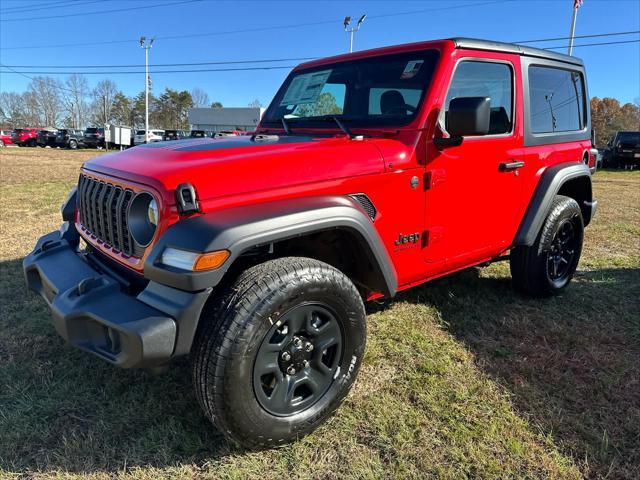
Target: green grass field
[(463, 378)]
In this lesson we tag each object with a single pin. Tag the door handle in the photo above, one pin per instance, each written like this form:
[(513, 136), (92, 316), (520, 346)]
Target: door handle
[(508, 166)]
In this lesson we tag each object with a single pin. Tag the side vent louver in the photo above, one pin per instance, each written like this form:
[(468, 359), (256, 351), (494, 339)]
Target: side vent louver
[(366, 203)]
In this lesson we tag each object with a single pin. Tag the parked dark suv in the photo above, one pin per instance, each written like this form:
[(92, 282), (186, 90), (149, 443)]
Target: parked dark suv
[(174, 135), (94, 137), (46, 138), (200, 134), (623, 150), (70, 138)]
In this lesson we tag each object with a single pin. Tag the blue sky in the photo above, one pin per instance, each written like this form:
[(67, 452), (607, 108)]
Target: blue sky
[(613, 70)]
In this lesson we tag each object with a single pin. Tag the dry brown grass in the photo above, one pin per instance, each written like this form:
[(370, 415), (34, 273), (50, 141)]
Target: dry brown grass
[(462, 378)]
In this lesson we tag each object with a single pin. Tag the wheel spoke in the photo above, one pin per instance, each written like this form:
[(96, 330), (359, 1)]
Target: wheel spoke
[(267, 362), (311, 379), (327, 335), (282, 393), (295, 320)]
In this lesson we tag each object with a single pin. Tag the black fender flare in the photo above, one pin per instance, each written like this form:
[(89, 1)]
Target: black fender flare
[(548, 187), (240, 229)]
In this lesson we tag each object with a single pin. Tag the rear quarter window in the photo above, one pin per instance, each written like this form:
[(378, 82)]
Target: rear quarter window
[(557, 100)]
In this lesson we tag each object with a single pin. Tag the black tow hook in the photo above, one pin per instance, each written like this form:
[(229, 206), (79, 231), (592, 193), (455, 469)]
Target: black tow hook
[(48, 245), (88, 284)]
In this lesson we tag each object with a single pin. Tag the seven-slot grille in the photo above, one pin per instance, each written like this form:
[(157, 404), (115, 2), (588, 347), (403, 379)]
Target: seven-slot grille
[(103, 212)]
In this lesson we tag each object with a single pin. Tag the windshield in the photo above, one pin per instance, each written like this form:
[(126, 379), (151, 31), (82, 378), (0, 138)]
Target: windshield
[(383, 90)]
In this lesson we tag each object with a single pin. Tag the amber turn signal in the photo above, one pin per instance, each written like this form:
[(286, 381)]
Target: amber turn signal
[(210, 260)]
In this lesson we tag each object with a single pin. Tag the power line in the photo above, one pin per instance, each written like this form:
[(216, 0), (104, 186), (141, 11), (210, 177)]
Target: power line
[(235, 62), (593, 44), (268, 67), (243, 69), (59, 87), (256, 29), (231, 62), (82, 14), (42, 6), (608, 34)]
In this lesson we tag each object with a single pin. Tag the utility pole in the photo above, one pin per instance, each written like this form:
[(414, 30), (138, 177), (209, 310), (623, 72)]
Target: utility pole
[(104, 104), (351, 31), (146, 47)]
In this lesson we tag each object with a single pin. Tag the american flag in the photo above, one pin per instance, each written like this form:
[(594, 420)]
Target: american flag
[(577, 4)]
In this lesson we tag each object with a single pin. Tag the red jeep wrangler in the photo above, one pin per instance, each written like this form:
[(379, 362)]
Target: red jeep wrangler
[(370, 173)]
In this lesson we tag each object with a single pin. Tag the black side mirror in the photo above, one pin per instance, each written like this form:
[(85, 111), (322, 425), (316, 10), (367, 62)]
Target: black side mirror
[(468, 116)]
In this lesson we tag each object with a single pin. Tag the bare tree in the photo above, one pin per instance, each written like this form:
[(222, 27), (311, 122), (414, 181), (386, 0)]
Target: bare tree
[(45, 92), (200, 98), (75, 101), (31, 109), (255, 104), (103, 96), (12, 111)]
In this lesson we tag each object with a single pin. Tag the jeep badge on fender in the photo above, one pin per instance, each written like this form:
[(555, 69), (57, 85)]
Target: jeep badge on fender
[(254, 255)]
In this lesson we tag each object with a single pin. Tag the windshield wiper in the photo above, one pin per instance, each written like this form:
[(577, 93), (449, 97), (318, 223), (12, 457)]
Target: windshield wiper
[(285, 125), (342, 126)]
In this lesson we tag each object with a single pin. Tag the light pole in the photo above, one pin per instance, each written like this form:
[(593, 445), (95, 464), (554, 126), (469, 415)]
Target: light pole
[(351, 31), (146, 47)]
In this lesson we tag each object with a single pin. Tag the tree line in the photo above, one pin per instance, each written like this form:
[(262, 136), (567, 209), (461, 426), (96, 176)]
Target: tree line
[(608, 116), (48, 102)]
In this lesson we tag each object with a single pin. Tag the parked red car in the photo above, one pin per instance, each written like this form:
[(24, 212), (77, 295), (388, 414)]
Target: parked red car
[(25, 137), (5, 138), (369, 173)]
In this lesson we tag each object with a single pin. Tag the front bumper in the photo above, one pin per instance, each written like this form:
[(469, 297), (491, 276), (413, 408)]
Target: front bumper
[(95, 310)]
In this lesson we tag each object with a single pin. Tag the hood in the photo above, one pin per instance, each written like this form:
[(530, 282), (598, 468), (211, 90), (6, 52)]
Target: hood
[(234, 165)]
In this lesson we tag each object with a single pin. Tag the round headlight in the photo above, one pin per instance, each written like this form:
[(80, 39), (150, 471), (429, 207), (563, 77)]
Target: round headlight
[(152, 212), (143, 218)]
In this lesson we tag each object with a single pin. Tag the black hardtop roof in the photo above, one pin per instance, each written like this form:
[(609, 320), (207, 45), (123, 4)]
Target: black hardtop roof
[(490, 45)]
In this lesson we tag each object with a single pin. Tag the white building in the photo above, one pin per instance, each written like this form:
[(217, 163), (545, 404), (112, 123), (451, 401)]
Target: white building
[(217, 119)]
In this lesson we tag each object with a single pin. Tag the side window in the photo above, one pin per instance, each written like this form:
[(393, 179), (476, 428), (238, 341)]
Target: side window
[(486, 79), (556, 100)]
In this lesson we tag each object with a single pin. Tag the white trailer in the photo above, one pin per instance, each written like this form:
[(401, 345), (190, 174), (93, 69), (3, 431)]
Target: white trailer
[(118, 136)]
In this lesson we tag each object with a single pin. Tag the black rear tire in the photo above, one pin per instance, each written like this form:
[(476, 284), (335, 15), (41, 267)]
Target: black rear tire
[(253, 393), (546, 267)]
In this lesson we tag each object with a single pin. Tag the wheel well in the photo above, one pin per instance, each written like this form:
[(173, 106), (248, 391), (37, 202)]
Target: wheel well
[(343, 249), (579, 189)]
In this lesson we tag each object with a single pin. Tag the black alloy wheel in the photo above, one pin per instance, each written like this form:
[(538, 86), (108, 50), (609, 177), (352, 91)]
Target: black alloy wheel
[(297, 359), (560, 256)]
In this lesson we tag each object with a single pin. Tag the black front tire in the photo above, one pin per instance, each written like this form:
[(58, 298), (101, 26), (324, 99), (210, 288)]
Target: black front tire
[(263, 307), (546, 267)]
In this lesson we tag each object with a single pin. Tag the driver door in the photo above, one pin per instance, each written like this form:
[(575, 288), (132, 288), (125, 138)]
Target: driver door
[(472, 198)]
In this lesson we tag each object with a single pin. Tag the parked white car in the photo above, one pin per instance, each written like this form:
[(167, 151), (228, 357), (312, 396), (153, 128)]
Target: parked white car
[(154, 136)]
